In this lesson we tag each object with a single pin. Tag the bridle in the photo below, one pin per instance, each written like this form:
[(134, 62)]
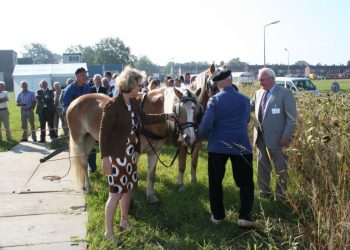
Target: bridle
[(187, 97)]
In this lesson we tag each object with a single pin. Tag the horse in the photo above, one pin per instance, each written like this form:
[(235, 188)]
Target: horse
[(201, 82), (84, 116)]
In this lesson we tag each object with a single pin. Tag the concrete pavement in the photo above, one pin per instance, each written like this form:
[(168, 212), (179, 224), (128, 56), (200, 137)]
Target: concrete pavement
[(36, 213)]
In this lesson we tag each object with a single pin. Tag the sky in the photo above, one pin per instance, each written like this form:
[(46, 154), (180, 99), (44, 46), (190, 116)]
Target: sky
[(315, 31)]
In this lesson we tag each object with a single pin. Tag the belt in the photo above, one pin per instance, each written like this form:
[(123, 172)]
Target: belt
[(26, 109), (3, 109)]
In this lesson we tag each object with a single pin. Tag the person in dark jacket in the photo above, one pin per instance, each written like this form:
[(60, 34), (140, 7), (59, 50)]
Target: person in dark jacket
[(225, 126), (46, 110), (98, 87)]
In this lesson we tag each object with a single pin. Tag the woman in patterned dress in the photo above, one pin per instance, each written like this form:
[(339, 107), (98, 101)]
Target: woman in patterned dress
[(120, 145)]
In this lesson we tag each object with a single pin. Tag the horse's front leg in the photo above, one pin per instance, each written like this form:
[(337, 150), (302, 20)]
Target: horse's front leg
[(151, 176), (88, 187), (194, 161), (182, 168)]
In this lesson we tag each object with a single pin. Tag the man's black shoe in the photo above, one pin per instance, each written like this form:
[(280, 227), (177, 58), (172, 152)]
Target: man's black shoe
[(42, 141), (24, 140)]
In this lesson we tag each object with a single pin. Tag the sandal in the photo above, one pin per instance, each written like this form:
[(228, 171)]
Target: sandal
[(124, 228), (113, 239)]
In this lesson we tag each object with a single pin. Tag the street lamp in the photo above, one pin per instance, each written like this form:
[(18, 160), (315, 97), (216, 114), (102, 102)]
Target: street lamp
[(288, 60), (264, 38)]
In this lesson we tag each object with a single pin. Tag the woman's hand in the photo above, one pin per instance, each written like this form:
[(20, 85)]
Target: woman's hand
[(107, 166)]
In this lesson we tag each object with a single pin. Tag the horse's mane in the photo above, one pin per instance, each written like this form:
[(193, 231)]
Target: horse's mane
[(156, 94), (200, 82)]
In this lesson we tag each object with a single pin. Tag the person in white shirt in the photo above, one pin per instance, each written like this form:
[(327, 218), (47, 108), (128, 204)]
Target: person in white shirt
[(4, 112)]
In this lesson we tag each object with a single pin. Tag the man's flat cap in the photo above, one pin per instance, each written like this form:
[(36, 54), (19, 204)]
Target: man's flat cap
[(221, 75)]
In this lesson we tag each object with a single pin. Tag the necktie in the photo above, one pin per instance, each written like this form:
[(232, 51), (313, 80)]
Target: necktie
[(262, 105)]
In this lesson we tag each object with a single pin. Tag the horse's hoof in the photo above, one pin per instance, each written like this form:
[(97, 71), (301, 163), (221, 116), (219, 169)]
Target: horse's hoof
[(88, 190), (181, 188), (152, 199)]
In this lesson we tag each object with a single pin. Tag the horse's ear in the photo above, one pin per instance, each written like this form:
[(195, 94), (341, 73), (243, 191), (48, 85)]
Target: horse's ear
[(178, 93), (198, 91), (212, 68)]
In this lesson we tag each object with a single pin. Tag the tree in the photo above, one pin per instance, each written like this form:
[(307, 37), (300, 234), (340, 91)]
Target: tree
[(144, 63), (40, 54), (301, 63), (106, 51), (113, 50), (88, 53), (236, 64)]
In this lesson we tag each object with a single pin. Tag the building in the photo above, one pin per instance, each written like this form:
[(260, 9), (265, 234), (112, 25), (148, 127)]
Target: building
[(72, 57), (8, 60)]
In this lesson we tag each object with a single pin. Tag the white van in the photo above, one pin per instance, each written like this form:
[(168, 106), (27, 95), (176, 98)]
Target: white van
[(297, 84), (244, 78)]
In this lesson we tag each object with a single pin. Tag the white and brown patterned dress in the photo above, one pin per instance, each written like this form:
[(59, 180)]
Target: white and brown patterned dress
[(124, 175)]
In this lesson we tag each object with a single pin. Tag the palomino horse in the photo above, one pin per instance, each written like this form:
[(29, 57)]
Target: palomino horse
[(84, 117), (201, 82)]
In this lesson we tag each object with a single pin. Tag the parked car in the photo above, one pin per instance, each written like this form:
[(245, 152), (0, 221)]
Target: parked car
[(297, 84)]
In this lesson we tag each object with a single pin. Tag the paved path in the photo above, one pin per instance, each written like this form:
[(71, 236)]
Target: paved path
[(36, 213)]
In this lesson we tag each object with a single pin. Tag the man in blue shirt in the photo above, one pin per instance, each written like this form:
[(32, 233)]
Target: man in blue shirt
[(225, 125), (74, 90)]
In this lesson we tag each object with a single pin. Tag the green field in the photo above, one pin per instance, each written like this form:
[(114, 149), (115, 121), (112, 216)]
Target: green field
[(15, 125), (325, 85), (316, 216)]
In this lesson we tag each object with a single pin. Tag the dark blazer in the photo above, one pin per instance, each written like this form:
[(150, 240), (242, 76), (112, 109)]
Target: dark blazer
[(45, 98), (116, 126), (102, 90)]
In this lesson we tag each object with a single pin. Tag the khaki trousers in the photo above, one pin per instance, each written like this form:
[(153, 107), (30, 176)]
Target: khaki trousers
[(5, 119), (28, 115)]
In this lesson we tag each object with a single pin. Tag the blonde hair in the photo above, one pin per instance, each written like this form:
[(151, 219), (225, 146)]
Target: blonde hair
[(128, 79)]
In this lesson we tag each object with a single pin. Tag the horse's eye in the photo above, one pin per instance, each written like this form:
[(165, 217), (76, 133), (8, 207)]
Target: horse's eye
[(193, 108)]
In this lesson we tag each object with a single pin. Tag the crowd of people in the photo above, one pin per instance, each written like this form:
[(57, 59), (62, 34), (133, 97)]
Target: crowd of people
[(50, 105), (224, 124)]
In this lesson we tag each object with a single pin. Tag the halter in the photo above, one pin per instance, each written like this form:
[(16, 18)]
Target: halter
[(187, 97)]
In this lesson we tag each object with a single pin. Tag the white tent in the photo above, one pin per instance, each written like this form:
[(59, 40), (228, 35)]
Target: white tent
[(34, 73)]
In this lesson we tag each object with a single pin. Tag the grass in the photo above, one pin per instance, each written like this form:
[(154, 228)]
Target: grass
[(325, 85), (181, 219), (317, 215), (15, 125)]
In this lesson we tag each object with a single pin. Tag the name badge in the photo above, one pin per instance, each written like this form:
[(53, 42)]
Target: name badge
[(276, 111)]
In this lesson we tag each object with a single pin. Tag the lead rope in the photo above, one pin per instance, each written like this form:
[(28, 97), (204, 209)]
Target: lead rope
[(154, 151)]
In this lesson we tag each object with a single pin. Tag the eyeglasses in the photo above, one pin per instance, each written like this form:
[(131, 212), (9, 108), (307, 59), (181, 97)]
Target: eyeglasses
[(263, 80)]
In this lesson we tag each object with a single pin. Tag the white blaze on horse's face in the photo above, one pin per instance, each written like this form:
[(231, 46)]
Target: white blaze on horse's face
[(184, 107), (190, 109)]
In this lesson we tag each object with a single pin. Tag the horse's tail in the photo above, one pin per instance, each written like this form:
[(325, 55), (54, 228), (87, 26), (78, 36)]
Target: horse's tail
[(79, 153), (79, 160)]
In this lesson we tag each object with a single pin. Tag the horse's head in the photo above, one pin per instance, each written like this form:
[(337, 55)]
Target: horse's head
[(203, 81), (188, 112)]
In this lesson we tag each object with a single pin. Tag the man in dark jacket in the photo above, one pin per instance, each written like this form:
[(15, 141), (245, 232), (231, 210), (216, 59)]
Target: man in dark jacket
[(45, 109), (225, 125)]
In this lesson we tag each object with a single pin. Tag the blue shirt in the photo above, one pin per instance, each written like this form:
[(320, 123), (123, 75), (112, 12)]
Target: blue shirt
[(26, 98), (74, 91), (225, 123)]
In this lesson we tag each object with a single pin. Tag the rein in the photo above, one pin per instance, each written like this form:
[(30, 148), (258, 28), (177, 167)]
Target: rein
[(181, 126)]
